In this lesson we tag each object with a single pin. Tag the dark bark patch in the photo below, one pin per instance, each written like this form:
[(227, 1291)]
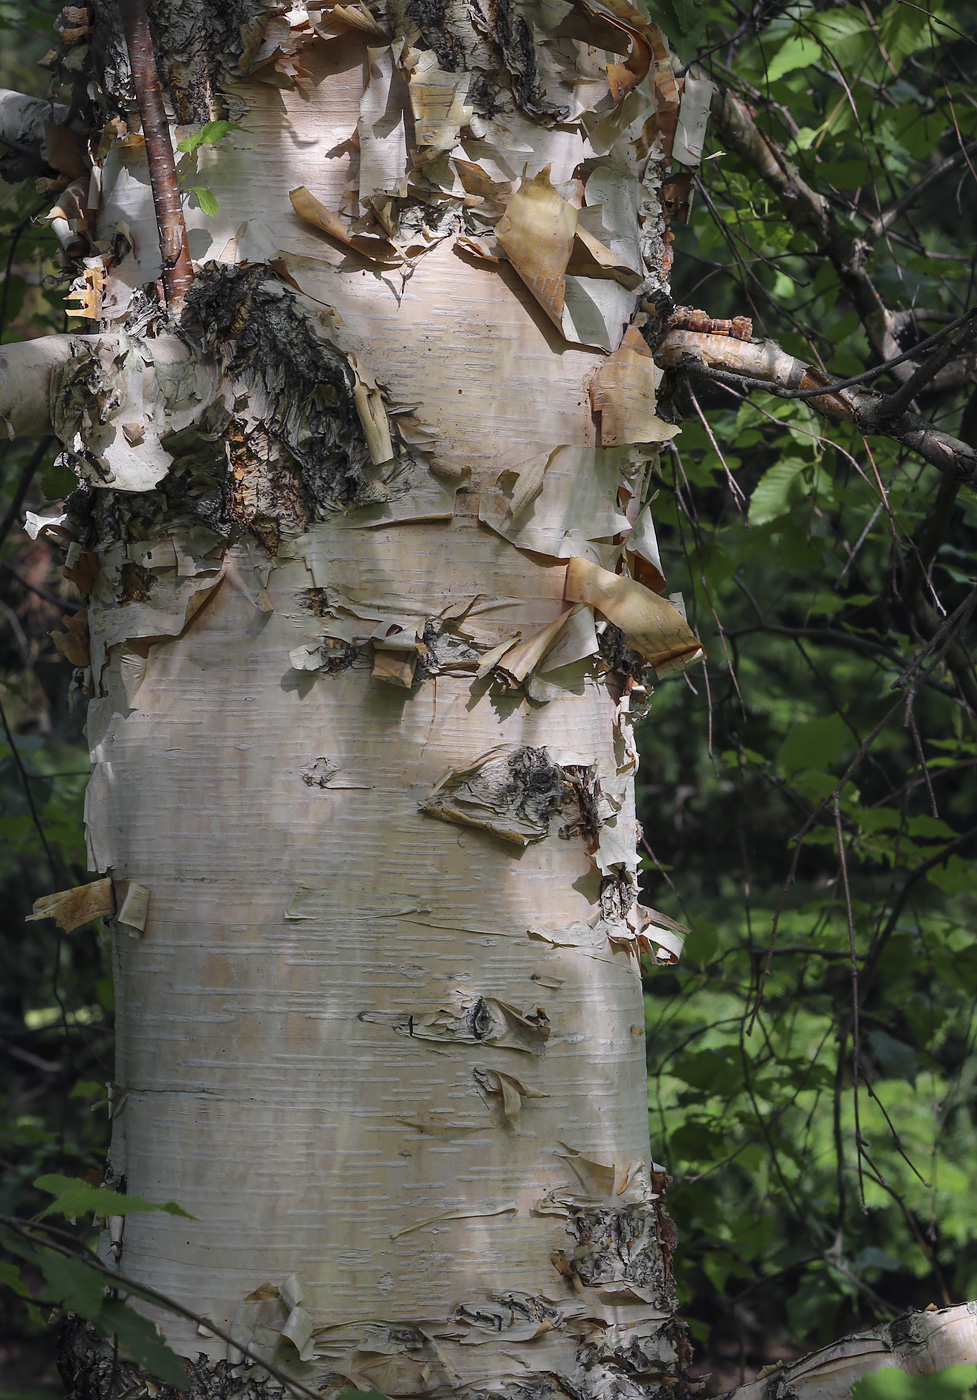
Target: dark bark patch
[(298, 449), (585, 785), (624, 1247), (511, 792), (514, 37), (136, 583), (617, 896), (90, 1371), (431, 18), (199, 46), (614, 650), (479, 1019)]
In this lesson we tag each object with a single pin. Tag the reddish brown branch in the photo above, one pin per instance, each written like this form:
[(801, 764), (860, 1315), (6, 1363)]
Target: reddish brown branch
[(177, 269)]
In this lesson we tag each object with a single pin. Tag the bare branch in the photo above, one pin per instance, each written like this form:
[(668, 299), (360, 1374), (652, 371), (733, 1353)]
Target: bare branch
[(23, 121), (921, 1343), (905, 201), (927, 372), (811, 213), (762, 364), (177, 268)]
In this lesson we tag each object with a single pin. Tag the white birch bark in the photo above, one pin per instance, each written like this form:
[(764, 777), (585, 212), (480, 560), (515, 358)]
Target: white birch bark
[(372, 591), (353, 553)]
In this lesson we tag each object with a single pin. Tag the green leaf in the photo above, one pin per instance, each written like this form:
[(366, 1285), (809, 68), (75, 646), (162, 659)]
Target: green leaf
[(956, 876), (207, 136), (817, 744), (897, 1060), (714, 1071), (798, 51), (10, 1275), (776, 491), (683, 21), (206, 199), (75, 1197), (57, 482), (142, 1341), (893, 1384), (72, 1283)]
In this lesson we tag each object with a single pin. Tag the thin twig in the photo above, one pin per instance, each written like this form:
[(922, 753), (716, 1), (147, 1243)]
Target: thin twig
[(905, 201), (175, 251), (23, 486), (35, 816), (855, 1032), (896, 402), (71, 604)]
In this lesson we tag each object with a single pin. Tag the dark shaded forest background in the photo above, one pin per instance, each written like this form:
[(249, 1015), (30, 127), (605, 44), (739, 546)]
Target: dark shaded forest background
[(807, 795)]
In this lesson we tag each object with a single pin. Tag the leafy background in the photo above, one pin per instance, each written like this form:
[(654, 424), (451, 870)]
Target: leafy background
[(811, 1085), (808, 796)]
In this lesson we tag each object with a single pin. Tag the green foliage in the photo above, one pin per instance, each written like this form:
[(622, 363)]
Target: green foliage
[(74, 1197), (949, 1384), (812, 794), (74, 1282), (206, 199), (208, 135)]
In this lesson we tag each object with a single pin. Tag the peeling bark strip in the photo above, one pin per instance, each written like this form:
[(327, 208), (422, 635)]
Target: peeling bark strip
[(177, 271)]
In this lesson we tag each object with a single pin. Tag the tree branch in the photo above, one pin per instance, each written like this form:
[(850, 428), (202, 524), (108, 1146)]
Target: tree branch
[(26, 370), (177, 268), (920, 1343), (762, 364), (907, 391), (22, 487), (811, 213), (905, 201), (23, 121)]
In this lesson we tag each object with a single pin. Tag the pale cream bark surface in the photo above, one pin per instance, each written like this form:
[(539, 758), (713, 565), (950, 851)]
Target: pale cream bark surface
[(382, 1032)]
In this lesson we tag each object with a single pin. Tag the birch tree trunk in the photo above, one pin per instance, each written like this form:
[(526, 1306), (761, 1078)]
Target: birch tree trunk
[(373, 599)]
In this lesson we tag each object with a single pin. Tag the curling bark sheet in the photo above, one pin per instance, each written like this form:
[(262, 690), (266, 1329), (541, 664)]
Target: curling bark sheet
[(366, 644)]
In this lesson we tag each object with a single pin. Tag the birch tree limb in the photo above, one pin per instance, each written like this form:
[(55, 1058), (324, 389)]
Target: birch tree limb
[(28, 368), (762, 364), (920, 1343), (23, 131)]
